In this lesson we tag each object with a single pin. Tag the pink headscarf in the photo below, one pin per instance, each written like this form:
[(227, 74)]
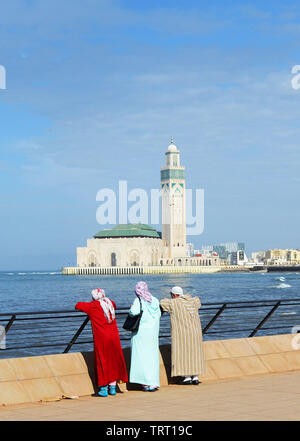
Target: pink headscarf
[(105, 302), (141, 289)]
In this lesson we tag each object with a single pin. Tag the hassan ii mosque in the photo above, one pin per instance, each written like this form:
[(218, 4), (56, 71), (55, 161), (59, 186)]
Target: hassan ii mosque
[(128, 245)]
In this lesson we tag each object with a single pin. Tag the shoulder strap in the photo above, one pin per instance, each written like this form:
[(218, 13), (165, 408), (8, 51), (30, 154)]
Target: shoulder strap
[(140, 303)]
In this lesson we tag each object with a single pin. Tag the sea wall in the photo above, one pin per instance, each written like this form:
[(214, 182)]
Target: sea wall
[(53, 377), (197, 269)]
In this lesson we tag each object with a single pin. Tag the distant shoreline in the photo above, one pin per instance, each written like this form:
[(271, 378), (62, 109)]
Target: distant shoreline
[(85, 271)]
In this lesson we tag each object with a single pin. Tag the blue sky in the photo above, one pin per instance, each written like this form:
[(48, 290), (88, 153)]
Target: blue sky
[(96, 89)]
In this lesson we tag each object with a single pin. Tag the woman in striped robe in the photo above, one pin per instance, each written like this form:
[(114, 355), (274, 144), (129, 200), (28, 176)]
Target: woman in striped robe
[(187, 345)]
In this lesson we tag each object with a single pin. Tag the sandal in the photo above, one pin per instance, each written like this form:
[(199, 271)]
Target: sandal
[(152, 389), (103, 392), (112, 390)]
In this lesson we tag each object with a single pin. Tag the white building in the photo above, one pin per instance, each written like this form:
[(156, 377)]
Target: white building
[(139, 244), (258, 257)]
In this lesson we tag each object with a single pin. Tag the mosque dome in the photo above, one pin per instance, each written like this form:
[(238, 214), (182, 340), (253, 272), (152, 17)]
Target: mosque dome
[(172, 147)]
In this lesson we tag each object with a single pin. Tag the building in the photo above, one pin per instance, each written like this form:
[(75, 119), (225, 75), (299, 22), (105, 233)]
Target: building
[(172, 178), (190, 249), (206, 257), (258, 257), (282, 257), (293, 257), (141, 245), (232, 247), (232, 253), (123, 245)]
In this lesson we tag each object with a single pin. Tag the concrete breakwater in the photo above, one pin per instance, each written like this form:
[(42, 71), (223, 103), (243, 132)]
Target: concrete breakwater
[(57, 376), (76, 270), (283, 268)]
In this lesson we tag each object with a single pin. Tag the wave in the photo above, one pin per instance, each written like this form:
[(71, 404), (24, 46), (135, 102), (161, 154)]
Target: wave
[(283, 285), (37, 273), (289, 313), (282, 279)]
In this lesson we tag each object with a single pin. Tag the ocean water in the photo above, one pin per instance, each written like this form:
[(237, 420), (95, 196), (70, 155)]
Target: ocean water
[(29, 291), (50, 290)]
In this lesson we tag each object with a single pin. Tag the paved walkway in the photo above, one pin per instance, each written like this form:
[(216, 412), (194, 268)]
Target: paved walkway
[(269, 397)]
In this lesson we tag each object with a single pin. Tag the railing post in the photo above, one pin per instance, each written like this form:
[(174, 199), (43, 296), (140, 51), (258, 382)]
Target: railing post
[(11, 320), (214, 318), (265, 319), (76, 335)]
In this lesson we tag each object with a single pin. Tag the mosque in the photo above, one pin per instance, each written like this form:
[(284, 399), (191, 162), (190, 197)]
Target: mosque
[(129, 245)]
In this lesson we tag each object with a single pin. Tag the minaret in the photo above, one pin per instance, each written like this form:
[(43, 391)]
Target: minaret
[(172, 178)]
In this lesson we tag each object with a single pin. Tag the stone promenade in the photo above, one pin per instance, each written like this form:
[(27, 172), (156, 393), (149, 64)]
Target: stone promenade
[(265, 397)]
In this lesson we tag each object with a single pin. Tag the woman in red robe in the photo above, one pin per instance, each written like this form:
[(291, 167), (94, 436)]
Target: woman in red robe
[(108, 355)]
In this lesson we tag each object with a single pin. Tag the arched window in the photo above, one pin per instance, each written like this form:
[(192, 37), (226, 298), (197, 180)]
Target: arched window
[(92, 262), (134, 258), (113, 259)]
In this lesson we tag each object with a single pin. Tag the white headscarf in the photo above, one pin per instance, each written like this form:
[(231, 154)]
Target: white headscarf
[(106, 304)]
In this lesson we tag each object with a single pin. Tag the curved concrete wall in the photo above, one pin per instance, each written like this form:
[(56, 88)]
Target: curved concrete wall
[(52, 377)]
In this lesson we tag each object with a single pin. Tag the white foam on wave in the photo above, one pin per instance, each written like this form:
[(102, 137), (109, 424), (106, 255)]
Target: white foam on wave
[(289, 313), (38, 273), (282, 279), (283, 285)]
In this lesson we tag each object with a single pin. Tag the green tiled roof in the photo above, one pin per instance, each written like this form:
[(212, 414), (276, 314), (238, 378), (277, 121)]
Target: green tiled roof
[(129, 230)]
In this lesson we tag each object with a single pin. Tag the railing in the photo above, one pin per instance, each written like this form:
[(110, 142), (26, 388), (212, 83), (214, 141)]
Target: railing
[(33, 333)]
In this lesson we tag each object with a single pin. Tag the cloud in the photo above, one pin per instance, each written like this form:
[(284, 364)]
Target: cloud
[(115, 82), (27, 145), (46, 173)]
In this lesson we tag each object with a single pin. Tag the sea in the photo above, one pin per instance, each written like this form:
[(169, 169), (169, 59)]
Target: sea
[(45, 291)]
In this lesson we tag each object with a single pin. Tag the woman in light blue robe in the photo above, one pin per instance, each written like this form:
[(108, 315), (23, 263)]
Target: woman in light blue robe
[(144, 367)]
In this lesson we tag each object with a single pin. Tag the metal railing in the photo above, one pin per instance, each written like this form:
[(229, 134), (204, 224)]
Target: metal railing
[(33, 333)]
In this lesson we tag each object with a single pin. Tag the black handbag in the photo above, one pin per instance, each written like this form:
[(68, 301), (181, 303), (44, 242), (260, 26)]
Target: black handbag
[(132, 322)]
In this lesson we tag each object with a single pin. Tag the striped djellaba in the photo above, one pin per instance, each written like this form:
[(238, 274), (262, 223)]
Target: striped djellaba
[(187, 344)]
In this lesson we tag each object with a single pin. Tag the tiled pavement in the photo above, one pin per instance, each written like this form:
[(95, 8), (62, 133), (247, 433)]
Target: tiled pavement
[(268, 397)]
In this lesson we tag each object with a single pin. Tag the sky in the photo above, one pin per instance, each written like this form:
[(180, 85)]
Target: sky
[(94, 92)]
